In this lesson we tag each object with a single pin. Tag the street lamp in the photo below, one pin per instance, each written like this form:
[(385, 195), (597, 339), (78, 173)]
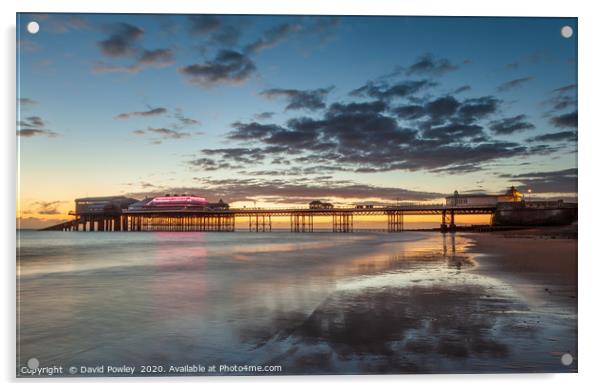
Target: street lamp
[(529, 191)]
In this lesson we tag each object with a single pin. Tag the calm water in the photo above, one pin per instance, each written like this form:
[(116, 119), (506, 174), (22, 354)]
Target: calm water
[(310, 303)]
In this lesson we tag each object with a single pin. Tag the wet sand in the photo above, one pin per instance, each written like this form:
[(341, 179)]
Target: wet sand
[(541, 262), (504, 302), (312, 303)]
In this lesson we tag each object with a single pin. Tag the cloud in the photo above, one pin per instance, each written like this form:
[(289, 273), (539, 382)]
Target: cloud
[(31, 132), (151, 112), (513, 84), (478, 108), (561, 98), (264, 115), (453, 132), (272, 37), (302, 191), (26, 102), (163, 133), (34, 126), (33, 121), (562, 181), (410, 112), (564, 89), (300, 99), (363, 137), (228, 66), (215, 29), (386, 90), (183, 121), (555, 137), (511, 125), (121, 41), (428, 65), (158, 57), (323, 27), (203, 24), (252, 130), (462, 89), (568, 120), (48, 208)]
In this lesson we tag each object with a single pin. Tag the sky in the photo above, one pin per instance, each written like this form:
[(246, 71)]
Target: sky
[(282, 110)]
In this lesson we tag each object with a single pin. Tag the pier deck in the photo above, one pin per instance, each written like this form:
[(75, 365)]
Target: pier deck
[(301, 219)]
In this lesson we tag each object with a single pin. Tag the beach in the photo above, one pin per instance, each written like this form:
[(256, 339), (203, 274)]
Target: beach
[(299, 303)]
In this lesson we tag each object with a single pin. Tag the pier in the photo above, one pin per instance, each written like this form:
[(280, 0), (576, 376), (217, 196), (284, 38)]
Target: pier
[(259, 220), (186, 213)]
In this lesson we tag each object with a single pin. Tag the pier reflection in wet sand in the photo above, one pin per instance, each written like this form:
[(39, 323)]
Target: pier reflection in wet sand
[(327, 303)]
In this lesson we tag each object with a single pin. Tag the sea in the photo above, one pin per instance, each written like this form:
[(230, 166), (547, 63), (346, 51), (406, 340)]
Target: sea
[(274, 303)]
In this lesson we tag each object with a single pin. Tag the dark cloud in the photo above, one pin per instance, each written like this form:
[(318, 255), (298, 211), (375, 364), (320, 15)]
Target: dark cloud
[(26, 102), (228, 158), (513, 84), (31, 132), (228, 66), (478, 108), (207, 164), (238, 155), (362, 137), (302, 191), (459, 169), (568, 120), (252, 131), (34, 126), (565, 89), (151, 112), (511, 125), (462, 89), (562, 98), (453, 132), (272, 37), (157, 57), (354, 107), (215, 29), (555, 137), (427, 64), (184, 121), (47, 208), (300, 99), (33, 121), (562, 181), (203, 24), (121, 41), (264, 115), (163, 133), (386, 90), (443, 107), (410, 112)]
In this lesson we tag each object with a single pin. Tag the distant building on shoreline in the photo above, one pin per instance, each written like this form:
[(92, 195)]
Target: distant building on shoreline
[(457, 199)]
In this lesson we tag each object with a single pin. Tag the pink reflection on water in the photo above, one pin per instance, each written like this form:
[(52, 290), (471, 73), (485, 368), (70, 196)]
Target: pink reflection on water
[(180, 287)]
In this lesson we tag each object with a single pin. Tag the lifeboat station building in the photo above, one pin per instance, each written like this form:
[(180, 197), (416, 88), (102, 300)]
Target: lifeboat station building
[(457, 199)]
